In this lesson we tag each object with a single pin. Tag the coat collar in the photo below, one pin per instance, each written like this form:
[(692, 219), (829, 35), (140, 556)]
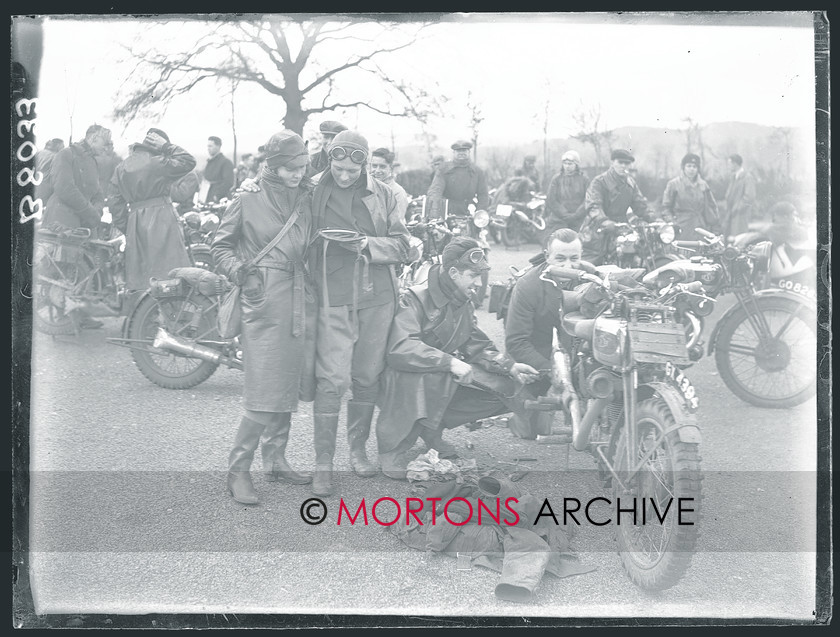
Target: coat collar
[(437, 294)]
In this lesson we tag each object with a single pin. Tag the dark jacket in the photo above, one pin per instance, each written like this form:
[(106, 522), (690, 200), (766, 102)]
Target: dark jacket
[(141, 208), (43, 164), (277, 310), (77, 199), (219, 172), (385, 249), (107, 165), (458, 185), (534, 313), (740, 202), (428, 330), (609, 195), (565, 203), (183, 190), (515, 189), (318, 163), (690, 205)]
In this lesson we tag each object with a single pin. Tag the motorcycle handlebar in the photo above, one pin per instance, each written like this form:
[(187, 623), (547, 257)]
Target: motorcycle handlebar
[(691, 245), (705, 233)]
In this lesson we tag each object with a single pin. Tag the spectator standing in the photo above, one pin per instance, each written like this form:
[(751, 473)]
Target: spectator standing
[(688, 201), (218, 172), (43, 165), (381, 167), (319, 162), (565, 202), (740, 197), (458, 183)]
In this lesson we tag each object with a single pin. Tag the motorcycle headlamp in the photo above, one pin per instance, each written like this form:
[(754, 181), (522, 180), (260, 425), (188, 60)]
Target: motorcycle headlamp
[(481, 218), (760, 255), (667, 233)]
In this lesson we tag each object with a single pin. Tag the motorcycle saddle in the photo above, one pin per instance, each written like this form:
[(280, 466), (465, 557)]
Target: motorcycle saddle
[(577, 325)]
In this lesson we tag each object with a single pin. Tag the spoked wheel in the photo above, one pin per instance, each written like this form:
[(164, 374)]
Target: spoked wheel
[(768, 357), (49, 299), (513, 234), (655, 549), (189, 317)]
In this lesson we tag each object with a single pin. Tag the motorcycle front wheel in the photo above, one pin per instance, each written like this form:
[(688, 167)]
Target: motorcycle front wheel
[(188, 317), (768, 357), (655, 549)]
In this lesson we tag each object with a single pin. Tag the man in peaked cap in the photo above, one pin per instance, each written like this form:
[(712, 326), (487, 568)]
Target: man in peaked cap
[(141, 207), (612, 197), (442, 370), (458, 183), (319, 161)]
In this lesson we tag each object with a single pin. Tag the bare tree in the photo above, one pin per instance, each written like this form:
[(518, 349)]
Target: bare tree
[(277, 54), (592, 130), (475, 121), (694, 139)]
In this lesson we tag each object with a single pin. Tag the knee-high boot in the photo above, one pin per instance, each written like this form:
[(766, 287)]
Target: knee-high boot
[(239, 463), (359, 417), (394, 462), (326, 428), (273, 450)]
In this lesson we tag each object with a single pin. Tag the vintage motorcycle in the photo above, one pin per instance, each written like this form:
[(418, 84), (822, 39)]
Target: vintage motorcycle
[(426, 244), (627, 402), (643, 245), (199, 228), (416, 208), (74, 270), (765, 344), (520, 224), (172, 331)]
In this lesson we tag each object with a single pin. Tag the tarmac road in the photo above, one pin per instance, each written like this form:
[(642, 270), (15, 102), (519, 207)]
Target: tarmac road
[(129, 512)]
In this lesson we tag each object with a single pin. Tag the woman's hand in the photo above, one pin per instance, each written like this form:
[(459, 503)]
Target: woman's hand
[(461, 371)]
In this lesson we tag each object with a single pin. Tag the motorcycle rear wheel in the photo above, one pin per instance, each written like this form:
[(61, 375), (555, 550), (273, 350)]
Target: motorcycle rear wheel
[(657, 555), (175, 313), (513, 234), (774, 371)]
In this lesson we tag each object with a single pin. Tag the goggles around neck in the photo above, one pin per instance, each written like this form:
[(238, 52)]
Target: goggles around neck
[(356, 155)]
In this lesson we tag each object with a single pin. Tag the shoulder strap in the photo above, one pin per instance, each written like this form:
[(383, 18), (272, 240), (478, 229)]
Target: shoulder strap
[(295, 214)]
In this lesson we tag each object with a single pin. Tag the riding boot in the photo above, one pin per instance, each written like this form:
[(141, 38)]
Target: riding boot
[(359, 417), (434, 440), (239, 473), (326, 428), (394, 462), (273, 450)]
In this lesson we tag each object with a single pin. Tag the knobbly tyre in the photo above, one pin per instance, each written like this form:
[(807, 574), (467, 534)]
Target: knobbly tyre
[(626, 402), (172, 331), (426, 243), (520, 224), (765, 344)]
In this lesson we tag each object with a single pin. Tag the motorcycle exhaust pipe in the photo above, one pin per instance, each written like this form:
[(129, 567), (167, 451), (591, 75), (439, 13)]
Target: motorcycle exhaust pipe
[(538, 223), (165, 340)]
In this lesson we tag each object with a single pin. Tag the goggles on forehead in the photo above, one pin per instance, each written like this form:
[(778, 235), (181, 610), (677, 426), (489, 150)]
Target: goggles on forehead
[(474, 256), (356, 155)]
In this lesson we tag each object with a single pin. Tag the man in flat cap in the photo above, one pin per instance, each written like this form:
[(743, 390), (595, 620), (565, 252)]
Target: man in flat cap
[(218, 172), (141, 207), (442, 370), (318, 162), (612, 197), (361, 238)]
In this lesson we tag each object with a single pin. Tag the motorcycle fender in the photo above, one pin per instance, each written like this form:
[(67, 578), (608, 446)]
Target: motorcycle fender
[(761, 293), (127, 322), (687, 428)]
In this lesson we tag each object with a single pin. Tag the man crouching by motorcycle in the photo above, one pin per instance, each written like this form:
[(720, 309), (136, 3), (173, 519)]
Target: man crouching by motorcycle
[(536, 310), (442, 370), (609, 200)]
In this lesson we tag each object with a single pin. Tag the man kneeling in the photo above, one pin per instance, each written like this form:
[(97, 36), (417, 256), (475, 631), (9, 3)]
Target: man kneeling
[(442, 371)]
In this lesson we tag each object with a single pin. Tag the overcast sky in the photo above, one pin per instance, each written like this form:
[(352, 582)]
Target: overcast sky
[(639, 72)]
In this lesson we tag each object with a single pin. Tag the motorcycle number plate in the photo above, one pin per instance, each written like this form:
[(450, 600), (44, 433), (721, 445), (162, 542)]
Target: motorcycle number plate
[(504, 210), (683, 385)]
